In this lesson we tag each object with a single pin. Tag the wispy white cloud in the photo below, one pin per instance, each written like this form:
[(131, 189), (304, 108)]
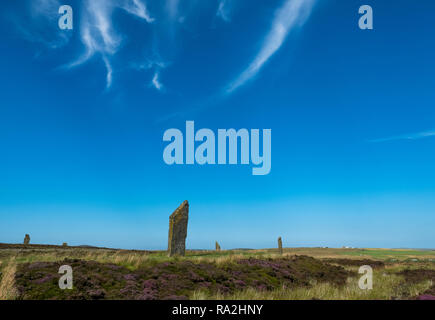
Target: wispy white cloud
[(98, 34), (223, 10), (89, 43), (38, 23), (155, 64), (292, 14), (47, 8), (137, 8), (156, 82), (172, 8), (411, 136), (150, 64), (109, 75)]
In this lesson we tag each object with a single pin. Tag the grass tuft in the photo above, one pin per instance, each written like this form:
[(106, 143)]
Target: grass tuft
[(7, 283)]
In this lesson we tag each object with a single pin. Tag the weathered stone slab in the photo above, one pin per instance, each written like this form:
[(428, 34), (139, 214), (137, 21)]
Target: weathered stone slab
[(280, 245), (178, 230), (218, 247), (26, 239)]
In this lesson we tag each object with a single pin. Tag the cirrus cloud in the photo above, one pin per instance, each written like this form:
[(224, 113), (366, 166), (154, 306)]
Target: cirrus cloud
[(292, 14), (98, 34)]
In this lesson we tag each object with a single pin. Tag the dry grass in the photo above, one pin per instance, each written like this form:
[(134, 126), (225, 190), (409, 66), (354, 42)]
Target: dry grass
[(385, 287), (7, 283), (136, 259), (132, 259)]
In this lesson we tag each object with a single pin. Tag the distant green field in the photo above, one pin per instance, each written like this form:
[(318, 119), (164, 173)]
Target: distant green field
[(390, 254)]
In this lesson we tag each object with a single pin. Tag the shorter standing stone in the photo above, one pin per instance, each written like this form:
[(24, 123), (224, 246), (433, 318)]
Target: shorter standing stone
[(26, 239), (218, 247), (280, 245), (64, 244)]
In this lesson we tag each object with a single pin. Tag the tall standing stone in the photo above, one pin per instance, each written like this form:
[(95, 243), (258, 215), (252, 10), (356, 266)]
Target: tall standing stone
[(218, 247), (26, 239), (280, 245), (178, 230)]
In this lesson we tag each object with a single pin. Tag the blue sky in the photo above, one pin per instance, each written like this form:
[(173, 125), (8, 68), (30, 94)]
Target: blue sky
[(82, 115)]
